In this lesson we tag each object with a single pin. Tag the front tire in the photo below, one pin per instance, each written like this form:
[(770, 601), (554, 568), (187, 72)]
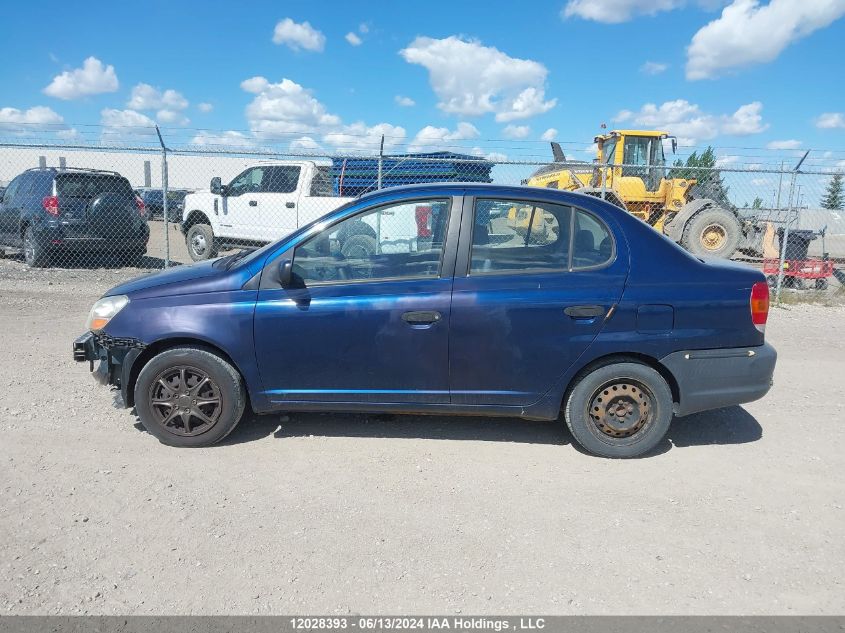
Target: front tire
[(713, 232), (201, 243), (619, 410), (189, 397)]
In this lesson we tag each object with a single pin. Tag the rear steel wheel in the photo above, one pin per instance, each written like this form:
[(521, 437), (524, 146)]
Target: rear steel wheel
[(621, 408)]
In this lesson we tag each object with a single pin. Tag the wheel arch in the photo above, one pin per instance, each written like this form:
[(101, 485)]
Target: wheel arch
[(624, 357), (154, 349), (196, 216)]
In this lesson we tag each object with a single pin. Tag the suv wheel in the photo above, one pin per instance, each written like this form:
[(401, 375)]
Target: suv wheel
[(200, 241), (189, 397), (34, 253), (619, 410)]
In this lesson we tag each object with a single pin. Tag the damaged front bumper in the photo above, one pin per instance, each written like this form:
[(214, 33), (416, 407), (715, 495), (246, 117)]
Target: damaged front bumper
[(110, 359)]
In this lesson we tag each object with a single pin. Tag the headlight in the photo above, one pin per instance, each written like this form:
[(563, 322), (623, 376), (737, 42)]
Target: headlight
[(104, 310)]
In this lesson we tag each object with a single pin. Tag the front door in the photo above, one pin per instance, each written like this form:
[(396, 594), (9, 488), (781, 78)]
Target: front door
[(367, 318), (532, 287)]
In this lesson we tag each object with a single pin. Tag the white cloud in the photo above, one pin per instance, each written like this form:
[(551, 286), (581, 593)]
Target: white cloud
[(726, 160), (516, 131), (92, 79), (285, 109), (549, 135), (616, 11), (747, 33), (230, 139), (353, 39), (305, 143), (358, 137), (146, 97), (364, 28), (789, 144), (205, 107), (690, 124), (831, 120), (470, 79), (34, 119), (298, 36), (122, 124), (405, 102), (168, 104), (432, 138), (653, 68)]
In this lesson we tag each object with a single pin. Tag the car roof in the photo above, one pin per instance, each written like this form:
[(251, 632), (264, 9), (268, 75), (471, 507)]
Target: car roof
[(481, 189)]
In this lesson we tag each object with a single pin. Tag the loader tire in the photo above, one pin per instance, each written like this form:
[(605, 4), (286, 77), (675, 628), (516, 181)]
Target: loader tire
[(712, 232)]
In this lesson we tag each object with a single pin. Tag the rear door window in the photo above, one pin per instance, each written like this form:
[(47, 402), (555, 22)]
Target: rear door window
[(512, 236), (592, 244), (91, 185)]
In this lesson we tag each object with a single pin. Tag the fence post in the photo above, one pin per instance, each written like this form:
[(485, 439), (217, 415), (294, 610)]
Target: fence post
[(789, 214), (380, 160), (164, 199)]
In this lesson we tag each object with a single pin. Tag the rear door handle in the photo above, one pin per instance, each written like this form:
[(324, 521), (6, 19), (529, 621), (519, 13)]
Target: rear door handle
[(584, 312), (253, 203), (421, 317)]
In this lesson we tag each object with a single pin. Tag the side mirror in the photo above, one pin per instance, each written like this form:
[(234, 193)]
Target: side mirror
[(285, 273), (216, 186), (674, 146)]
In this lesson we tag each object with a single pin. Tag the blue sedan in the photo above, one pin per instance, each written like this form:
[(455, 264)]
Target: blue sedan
[(447, 299)]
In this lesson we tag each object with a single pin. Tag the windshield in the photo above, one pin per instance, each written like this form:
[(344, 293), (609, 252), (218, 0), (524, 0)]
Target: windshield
[(609, 150)]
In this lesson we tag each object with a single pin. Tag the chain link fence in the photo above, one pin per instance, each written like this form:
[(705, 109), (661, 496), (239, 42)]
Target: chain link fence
[(73, 206)]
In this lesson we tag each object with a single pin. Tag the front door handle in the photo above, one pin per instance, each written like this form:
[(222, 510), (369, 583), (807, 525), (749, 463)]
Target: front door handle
[(290, 205), (421, 317), (584, 312), (253, 203)]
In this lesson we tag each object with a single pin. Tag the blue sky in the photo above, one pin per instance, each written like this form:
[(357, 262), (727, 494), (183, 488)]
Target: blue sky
[(489, 77)]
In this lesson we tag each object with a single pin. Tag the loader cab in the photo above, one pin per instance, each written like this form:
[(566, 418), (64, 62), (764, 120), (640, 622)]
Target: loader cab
[(639, 159)]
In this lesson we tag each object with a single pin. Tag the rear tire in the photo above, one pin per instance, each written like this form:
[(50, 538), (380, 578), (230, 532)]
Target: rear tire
[(34, 253), (712, 232), (189, 397), (619, 410), (822, 283), (201, 243)]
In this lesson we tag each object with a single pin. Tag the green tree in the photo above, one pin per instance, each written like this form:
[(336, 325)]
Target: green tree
[(702, 167), (834, 197), (758, 203)]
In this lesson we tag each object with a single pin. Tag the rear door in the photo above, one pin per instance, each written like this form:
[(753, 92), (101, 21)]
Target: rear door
[(533, 284)]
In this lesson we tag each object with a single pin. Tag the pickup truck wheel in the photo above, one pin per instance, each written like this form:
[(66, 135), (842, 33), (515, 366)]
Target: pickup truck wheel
[(34, 253), (619, 410), (189, 397), (200, 241)]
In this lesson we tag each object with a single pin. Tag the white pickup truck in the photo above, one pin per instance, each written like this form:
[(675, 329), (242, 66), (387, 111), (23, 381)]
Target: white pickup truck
[(260, 205)]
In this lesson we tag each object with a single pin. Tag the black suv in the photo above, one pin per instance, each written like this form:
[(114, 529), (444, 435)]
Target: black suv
[(49, 211)]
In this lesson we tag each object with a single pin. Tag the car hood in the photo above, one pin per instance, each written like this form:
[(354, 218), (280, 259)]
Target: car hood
[(200, 277)]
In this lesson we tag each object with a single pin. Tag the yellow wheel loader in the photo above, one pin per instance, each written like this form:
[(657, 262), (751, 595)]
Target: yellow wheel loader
[(630, 172)]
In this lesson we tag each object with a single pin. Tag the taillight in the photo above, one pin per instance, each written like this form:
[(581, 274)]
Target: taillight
[(423, 214), (760, 305), (51, 205), (140, 204)]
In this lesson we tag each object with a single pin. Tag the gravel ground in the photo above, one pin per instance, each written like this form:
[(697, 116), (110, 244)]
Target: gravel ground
[(740, 512)]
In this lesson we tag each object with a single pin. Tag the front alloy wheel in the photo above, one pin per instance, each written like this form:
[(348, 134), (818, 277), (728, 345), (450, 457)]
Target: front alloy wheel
[(185, 400), (189, 396)]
